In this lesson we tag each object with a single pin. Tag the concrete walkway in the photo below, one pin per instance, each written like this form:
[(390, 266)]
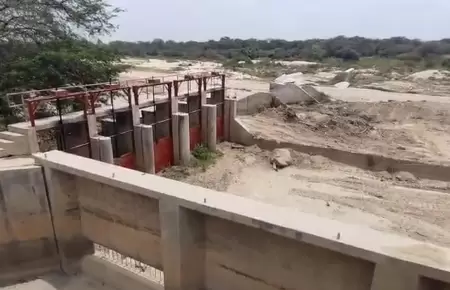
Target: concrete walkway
[(61, 282)]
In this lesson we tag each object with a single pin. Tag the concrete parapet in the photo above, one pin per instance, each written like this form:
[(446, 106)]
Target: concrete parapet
[(102, 149), (62, 190), (394, 275), (27, 244), (234, 242), (120, 220), (182, 237)]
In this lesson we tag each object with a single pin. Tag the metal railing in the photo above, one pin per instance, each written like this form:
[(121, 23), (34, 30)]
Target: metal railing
[(130, 264)]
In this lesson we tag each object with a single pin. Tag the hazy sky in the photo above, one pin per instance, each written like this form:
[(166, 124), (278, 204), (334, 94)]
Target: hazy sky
[(288, 19)]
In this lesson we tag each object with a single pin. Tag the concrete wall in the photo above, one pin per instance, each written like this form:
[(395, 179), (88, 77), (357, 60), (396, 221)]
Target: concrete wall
[(268, 261), (27, 244), (109, 214), (291, 93), (254, 103), (204, 239)]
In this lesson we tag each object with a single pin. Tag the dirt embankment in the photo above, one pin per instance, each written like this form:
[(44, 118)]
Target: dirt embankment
[(415, 131), (397, 203)]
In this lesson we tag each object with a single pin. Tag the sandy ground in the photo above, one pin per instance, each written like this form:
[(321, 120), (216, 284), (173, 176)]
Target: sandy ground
[(368, 95), (403, 130), (60, 282), (238, 84), (316, 185), (410, 126)]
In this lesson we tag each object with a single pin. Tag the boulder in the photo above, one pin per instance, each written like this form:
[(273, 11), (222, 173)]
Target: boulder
[(342, 85), (281, 158), (405, 176)]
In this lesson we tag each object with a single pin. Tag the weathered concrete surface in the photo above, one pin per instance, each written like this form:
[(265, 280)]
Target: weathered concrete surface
[(273, 262), (240, 134), (254, 103), (211, 127), (246, 244), (145, 148), (58, 281), (183, 138), (120, 220), (292, 94), (111, 275), (102, 149), (183, 235), (63, 196), (27, 244)]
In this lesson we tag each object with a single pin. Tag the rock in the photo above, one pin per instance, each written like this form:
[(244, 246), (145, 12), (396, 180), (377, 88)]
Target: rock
[(318, 117), (237, 146), (384, 175), (281, 158), (342, 85), (405, 176)]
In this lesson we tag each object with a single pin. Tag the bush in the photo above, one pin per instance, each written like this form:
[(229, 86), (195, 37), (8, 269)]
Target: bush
[(204, 157), (347, 54)]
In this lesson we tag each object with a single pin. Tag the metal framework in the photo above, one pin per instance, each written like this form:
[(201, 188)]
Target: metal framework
[(118, 132), (58, 96), (89, 96), (158, 122)]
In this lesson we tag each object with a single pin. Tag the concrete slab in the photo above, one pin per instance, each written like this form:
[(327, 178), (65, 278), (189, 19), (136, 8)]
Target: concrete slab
[(16, 161), (57, 281)]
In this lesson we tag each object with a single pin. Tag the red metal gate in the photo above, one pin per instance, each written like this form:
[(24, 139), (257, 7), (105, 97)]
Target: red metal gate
[(157, 111), (117, 122)]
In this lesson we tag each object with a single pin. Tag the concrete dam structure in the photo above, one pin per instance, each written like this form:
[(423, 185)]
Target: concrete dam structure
[(70, 222), (199, 238)]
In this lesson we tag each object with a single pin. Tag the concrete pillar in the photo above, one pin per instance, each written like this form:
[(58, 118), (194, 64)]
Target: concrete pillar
[(32, 139), (204, 123), (182, 241), (102, 149), (92, 125), (226, 121), (136, 115), (175, 102), (203, 99), (148, 145), (394, 276), (176, 139), (211, 127), (183, 138), (230, 115), (145, 148), (66, 217), (138, 147)]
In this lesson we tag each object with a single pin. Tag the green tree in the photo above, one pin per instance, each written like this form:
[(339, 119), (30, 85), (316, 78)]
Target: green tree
[(41, 20), (42, 45)]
